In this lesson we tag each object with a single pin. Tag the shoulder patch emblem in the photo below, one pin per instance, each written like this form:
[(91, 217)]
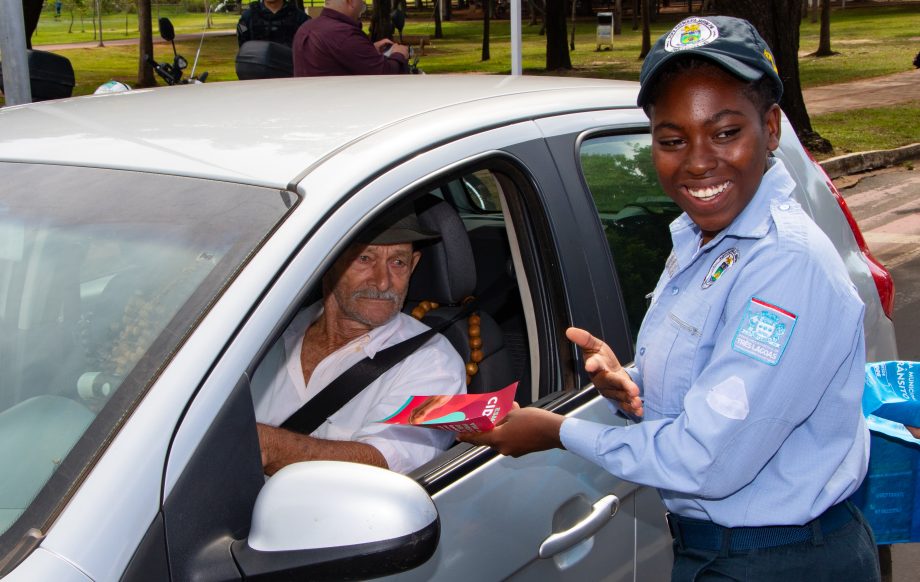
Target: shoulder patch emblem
[(691, 33), (764, 331), (719, 266)]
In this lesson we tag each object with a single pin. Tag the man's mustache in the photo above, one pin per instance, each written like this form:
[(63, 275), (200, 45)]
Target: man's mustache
[(375, 294)]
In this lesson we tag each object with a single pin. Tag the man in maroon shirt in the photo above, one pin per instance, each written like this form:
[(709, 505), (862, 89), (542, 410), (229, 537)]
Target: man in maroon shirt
[(333, 44)]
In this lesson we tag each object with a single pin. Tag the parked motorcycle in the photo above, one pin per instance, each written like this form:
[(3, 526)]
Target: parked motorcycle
[(172, 73)]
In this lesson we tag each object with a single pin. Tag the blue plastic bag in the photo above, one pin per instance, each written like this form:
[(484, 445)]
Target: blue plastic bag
[(890, 398), (886, 497)]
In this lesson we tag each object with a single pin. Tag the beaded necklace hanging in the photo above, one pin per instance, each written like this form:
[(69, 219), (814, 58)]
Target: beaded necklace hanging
[(475, 335)]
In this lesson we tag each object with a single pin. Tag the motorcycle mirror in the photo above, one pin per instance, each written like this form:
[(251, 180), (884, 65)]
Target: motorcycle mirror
[(166, 29), (181, 63)]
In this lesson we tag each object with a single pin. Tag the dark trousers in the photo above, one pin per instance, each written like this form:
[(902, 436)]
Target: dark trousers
[(848, 553)]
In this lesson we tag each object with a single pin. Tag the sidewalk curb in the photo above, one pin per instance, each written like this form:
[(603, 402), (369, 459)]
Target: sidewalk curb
[(864, 161)]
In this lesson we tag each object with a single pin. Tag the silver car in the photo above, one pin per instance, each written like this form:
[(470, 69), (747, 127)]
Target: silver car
[(155, 243)]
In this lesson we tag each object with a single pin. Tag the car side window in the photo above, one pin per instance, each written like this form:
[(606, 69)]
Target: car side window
[(635, 213)]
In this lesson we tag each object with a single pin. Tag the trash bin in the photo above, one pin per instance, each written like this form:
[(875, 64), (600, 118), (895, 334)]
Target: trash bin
[(604, 30)]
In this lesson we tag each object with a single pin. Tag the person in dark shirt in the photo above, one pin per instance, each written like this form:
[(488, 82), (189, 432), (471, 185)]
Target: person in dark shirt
[(333, 44), (271, 20)]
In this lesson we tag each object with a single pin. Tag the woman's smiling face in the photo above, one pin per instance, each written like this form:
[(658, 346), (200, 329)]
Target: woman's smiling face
[(710, 145)]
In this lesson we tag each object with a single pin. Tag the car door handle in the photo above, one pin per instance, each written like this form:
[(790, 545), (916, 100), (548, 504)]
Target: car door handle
[(601, 512)]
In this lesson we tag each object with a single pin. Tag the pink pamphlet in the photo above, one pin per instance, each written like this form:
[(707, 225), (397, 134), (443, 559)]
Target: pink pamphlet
[(458, 413)]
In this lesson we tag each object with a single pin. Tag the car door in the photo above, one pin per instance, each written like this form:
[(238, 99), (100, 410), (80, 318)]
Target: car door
[(550, 515), (605, 158)]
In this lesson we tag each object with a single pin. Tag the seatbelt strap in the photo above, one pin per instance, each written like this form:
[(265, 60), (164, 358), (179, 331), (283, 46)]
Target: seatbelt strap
[(358, 377)]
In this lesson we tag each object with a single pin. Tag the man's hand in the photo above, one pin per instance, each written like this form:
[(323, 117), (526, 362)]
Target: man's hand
[(387, 44), (524, 430), (605, 371)]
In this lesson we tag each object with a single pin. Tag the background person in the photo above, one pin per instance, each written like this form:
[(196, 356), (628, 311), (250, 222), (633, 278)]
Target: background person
[(358, 317), (271, 20), (751, 360), (334, 44)]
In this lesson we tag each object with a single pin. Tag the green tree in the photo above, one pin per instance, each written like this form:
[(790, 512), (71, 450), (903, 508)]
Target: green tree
[(557, 48), (145, 76), (824, 37)]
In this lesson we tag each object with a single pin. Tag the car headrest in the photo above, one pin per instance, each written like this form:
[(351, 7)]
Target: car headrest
[(446, 272)]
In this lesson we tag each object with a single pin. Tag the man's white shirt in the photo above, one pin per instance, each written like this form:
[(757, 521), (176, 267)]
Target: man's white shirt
[(278, 388)]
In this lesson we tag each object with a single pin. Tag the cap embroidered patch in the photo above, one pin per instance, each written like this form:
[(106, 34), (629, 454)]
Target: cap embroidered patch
[(764, 331), (719, 266), (770, 58), (691, 33)]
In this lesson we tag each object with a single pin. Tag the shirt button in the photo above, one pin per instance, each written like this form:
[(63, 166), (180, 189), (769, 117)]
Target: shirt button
[(674, 290), (784, 207), (642, 351)]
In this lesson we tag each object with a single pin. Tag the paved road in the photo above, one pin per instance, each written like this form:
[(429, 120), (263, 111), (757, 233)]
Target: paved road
[(876, 92), (886, 206)]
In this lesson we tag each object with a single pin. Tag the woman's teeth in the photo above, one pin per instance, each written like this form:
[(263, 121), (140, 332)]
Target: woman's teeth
[(707, 193)]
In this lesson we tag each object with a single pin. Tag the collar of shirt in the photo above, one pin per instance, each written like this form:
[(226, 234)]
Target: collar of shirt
[(753, 222), (369, 343), (336, 15)]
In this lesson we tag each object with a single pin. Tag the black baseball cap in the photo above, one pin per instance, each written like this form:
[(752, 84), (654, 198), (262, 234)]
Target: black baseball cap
[(400, 225), (731, 43)]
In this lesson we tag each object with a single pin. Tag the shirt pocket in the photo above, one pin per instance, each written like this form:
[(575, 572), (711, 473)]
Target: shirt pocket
[(671, 366)]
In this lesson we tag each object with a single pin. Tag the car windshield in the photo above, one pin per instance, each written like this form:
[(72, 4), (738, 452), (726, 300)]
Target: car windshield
[(103, 274)]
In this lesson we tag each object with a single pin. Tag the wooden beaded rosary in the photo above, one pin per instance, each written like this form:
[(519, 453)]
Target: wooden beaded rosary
[(475, 334)]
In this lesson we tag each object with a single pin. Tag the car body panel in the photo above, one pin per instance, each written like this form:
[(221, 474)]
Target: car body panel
[(207, 131)]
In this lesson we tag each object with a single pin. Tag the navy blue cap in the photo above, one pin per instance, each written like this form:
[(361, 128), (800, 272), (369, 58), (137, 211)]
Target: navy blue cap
[(731, 43)]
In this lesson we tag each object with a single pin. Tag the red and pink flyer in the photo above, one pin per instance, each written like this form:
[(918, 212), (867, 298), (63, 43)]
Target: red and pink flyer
[(458, 413)]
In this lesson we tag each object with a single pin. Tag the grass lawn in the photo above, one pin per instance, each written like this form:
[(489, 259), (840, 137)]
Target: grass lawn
[(870, 41)]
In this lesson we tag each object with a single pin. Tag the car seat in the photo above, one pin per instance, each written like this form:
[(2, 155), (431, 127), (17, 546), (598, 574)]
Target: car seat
[(446, 275)]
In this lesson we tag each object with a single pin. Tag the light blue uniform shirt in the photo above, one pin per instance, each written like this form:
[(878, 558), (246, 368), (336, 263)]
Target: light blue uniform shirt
[(751, 365)]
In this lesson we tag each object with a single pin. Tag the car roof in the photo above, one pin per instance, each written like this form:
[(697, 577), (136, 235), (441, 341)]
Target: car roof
[(273, 132)]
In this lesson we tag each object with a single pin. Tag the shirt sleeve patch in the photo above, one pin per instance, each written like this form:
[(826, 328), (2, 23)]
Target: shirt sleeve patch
[(764, 331)]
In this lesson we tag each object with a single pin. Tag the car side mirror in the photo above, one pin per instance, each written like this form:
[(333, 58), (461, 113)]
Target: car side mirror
[(329, 519)]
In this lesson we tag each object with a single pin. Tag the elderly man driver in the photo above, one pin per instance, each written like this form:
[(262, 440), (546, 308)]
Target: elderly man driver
[(358, 316)]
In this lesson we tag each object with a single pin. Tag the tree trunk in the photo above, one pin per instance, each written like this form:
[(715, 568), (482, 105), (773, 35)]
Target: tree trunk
[(145, 76), (635, 14), (813, 11), (572, 37), (771, 19), (31, 11), (381, 23), (557, 50), (824, 42), (486, 21), (438, 33), (646, 31), (618, 17)]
